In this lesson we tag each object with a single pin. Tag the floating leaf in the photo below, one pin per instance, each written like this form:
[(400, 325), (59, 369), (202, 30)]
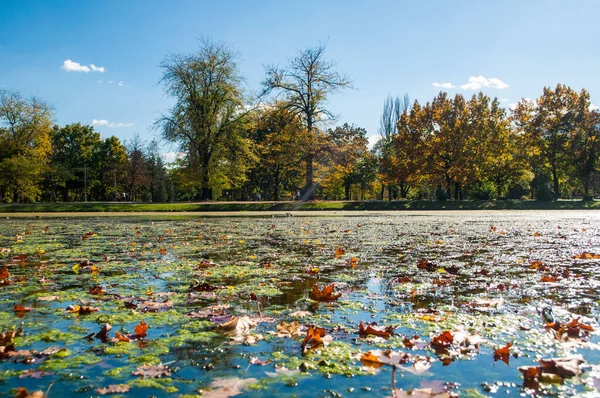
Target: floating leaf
[(326, 294), (503, 353), (365, 329), (238, 325), (140, 329), (442, 341), (113, 389), (152, 371)]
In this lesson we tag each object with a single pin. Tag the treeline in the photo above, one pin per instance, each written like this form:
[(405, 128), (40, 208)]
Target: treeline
[(42, 161), (273, 145)]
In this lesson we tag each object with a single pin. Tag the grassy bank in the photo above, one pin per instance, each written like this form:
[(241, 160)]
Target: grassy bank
[(296, 206)]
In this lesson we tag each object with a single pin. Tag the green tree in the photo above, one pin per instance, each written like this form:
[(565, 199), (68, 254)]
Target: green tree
[(584, 148), (306, 83), (74, 150), (547, 125), (208, 118), (158, 176), (25, 126), (110, 169)]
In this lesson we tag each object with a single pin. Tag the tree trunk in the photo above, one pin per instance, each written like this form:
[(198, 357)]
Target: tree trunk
[(347, 190), (382, 192), (309, 189), (556, 192), (404, 188)]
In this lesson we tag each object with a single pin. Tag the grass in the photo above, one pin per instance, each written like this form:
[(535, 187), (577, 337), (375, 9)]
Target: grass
[(298, 206)]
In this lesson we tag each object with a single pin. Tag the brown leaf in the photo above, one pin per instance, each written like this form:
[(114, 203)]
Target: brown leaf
[(384, 357), (224, 388), (326, 294), (23, 393), (96, 290), (426, 265), (339, 252), (4, 274), (113, 389), (122, 337), (262, 362), (285, 329), (239, 325), (35, 374), (503, 353), (152, 371), (314, 337), (564, 367), (443, 341), (374, 329), (103, 333)]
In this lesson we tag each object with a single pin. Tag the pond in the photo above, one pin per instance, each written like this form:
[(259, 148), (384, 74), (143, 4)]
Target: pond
[(372, 304)]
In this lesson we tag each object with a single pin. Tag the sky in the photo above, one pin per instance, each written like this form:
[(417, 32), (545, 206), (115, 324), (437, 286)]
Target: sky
[(98, 62)]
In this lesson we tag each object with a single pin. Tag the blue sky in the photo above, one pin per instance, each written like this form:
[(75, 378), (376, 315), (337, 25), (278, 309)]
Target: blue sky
[(509, 49)]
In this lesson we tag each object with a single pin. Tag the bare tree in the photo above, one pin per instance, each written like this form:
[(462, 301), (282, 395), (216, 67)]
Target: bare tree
[(205, 119), (305, 83)]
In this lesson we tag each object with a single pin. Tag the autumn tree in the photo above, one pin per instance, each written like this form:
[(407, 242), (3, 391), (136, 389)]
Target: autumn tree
[(208, 115), (158, 177), (278, 138), (348, 147), (407, 155), (25, 125), (305, 84), (547, 125)]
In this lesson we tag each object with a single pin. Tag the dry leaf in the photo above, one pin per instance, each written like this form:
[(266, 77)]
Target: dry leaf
[(113, 389)]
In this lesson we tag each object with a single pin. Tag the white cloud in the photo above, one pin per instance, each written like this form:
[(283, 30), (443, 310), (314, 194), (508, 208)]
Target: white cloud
[(97, 68), (104, 122), (528, 100), (475, 83), (504, 100), (110, 82), (444, 85), (72, 66), (121, 84), (594, 107), (373, 140)]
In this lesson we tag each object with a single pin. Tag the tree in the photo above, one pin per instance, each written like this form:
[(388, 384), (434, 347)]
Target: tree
[(110, 169), (278, 137), (25, 126), (75, 147), (548, 123), (207, 119), (349, 145), (306, 83), (158, 177), (584, 149), (393, 108), (136, 167)]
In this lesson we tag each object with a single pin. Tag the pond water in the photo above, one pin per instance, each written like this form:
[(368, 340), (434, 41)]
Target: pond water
[(220, 297)]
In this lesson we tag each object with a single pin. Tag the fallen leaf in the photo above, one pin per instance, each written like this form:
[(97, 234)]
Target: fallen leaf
[(563, 367), (384, 357), (261, 362), (113, 389), (223, 388), (503, 353), (285, 329), (23, 393), (140, 329), (152, 371), (374, 329), (35, 374), (326, 294), (442, 341), (238, 325)]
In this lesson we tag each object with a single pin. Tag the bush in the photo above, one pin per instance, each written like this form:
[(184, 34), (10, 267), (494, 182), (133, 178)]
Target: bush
[(441, 195), (516, 191), (482, 191), (541, 186)]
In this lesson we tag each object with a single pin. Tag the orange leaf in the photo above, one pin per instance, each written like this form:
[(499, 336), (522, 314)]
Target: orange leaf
[(314, 337), (140, 330), (326, 294), (122, 337), (339, 252), (503, 353), (4, 273)]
